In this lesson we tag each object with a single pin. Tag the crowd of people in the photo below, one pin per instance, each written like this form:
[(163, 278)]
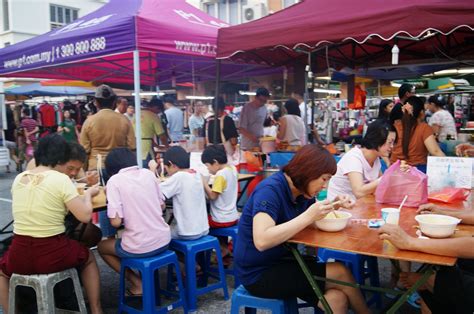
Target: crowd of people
[(48, 210)]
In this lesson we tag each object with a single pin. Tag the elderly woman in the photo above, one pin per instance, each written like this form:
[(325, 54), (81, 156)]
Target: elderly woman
[(280, 207), (42, 197)]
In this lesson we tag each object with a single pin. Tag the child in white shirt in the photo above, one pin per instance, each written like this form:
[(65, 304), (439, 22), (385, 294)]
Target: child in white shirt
[(185, 187)]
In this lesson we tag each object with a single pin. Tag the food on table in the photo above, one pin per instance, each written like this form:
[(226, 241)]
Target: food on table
[(333, 222), (437, 226)]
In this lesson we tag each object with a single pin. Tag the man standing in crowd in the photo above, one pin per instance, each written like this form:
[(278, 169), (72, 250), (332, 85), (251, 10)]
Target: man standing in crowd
[(151, 126), (122, 104), (106, 129), (175, 119), (252, 116)]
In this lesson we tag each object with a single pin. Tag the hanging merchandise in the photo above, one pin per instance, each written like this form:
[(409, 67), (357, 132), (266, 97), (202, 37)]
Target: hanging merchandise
[(359, 98)]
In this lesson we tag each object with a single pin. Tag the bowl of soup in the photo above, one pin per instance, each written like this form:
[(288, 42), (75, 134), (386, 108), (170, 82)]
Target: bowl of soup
[(334, 221), (437, 226)]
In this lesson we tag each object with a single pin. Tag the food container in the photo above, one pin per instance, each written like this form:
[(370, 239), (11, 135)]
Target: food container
[(437, 226), (268, 144), (332, 224), (80, 188)]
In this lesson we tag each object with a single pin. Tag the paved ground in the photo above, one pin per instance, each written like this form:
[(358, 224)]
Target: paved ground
[(211, 303)]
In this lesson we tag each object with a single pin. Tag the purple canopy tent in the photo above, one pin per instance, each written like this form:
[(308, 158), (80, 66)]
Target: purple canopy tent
[(141, 41)]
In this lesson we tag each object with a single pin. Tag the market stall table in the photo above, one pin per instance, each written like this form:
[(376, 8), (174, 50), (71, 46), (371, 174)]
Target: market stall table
[(358, 238)]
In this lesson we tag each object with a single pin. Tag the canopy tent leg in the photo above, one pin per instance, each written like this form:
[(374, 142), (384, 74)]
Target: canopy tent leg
[(138, 126), (216, 97)]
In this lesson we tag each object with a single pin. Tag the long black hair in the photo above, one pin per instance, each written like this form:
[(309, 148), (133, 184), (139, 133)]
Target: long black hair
[(382, 106), (410, 121)]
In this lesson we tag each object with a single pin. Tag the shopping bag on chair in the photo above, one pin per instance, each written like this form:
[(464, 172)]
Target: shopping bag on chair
[(395, 184)]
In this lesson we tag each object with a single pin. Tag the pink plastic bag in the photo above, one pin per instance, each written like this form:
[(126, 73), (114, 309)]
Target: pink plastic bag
[(395, 184)]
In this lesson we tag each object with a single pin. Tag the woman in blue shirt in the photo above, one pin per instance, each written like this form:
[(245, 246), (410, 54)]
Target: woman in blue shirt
[(280, 207)]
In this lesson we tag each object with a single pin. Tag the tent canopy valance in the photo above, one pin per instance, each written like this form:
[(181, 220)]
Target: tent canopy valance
[(356, 33), (36, 89), (177, 43)]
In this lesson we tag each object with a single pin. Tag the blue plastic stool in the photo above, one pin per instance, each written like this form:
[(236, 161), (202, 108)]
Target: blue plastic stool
[(242, 298), (360, 271), (190, 249), (148, 268), (228, 232)]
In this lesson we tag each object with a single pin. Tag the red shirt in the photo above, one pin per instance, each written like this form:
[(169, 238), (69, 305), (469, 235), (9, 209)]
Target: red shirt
[(48, 115)]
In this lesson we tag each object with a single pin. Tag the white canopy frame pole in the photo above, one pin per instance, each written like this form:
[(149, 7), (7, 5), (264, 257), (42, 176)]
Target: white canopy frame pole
[(138, 126)]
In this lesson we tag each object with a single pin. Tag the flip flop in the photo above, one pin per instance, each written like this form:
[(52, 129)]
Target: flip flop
[(412, 300), (129, 294)]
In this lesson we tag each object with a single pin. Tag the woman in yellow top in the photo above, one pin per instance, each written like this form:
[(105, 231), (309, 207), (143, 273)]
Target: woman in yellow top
[(41, 198)]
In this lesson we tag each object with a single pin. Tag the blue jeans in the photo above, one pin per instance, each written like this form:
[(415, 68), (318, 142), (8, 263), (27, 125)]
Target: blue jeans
[(124, 254), (105, 226), (422, 168)]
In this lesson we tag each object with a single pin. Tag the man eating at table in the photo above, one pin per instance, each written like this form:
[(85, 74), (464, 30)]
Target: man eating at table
[(450, 289)]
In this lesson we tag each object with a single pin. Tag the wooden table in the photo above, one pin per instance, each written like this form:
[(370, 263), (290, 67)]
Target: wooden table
[(358, 238)]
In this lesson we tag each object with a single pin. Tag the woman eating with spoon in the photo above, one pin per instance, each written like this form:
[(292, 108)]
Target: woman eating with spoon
[(280, 207)]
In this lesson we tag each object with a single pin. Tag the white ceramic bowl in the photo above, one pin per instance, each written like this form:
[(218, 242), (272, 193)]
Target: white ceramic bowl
[(331, 224), (437, 226)]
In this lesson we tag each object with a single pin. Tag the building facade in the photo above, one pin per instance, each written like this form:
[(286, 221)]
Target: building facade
[(241, 11), (24, 19)]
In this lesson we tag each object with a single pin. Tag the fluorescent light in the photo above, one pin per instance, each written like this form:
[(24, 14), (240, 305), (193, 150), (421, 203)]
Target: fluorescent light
[(327, 91), (454, 71), (326, 78), (150, 94), (397, 85), (243, 92), (200, 97), (466, 71)]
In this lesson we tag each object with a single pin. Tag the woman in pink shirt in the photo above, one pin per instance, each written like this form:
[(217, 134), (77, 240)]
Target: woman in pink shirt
[(134, 200)]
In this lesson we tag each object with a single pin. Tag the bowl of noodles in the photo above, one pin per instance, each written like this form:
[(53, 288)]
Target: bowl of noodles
[(334, 221), (437, 226)]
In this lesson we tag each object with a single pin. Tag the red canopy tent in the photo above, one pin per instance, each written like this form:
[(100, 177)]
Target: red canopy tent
[(356, 33)]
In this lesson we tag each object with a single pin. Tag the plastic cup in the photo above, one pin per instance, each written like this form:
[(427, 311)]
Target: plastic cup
[(391, 215)]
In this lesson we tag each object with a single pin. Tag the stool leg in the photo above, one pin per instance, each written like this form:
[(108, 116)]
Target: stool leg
[(148, 292), (122, 287), (44, 298), (221, 271), (78, 291), (191, 282), (12, 295)]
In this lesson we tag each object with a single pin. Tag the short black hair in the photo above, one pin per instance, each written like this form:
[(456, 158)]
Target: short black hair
[(376, 134), (267, 122), (168, 99), (214, 153), (438, 100), (26, 111), (404, 88), (178, 156), (119, 158), (220, 104), (52, 150), (77, 152), (262, 91), (106, 103), (292, 107)]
